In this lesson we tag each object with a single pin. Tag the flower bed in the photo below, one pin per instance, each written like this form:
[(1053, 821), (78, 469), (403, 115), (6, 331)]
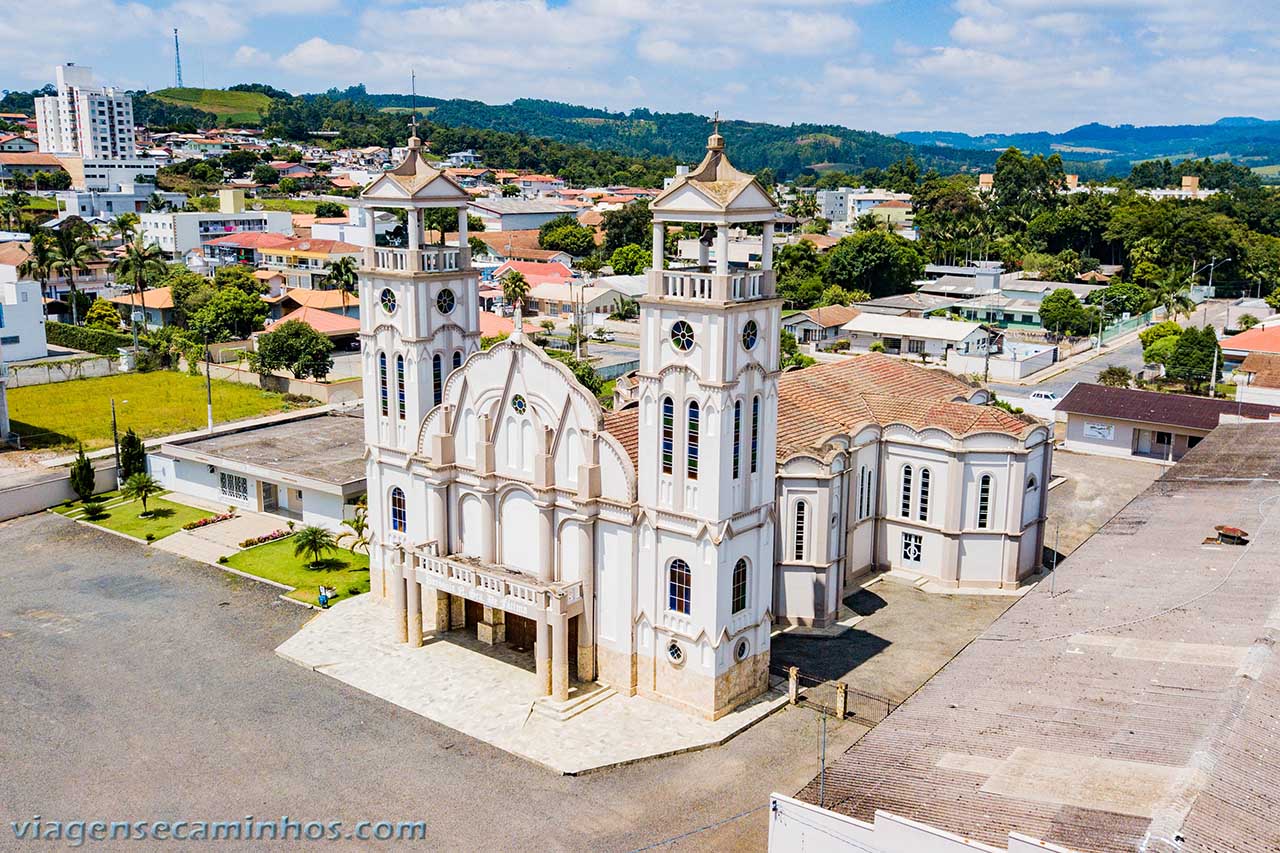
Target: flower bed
[(205, 522), (266, 537)]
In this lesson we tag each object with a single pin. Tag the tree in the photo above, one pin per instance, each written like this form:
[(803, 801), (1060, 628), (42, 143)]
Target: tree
[(510, 190), (124, 226), (343, 274), (357, 530), (1121, 297), (141, 487), (1247, 322), (296, 347), (133, 455), (264, 174), (1165, 329), (289, 186), (314, 542), (139, 261), (553, 224), (515, 287), (72, 253), (630, 224), (239, 277), (577, 240), (240, 163), (41, 261), (1114, 376), (330, 210), (1194, 356), (626, 309), (876, 262), (837, 295), (629, 260), (581, 370), (82, 476), (229, 314), (789, 353), (102, 315), (1160, 350), (1062, 312), (1174, 296), (799, 260)]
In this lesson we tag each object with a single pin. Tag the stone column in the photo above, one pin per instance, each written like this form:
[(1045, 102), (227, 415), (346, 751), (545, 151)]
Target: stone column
[(488, 534), (586, 622), (399, 604), (492, 628), (659, 235), (766, 247), (546, 542), (415, 611), (542, 653), (704, 254), (414, 227), (560, 659), (442, 611), (457, 612), (437, 518), (722, 250)]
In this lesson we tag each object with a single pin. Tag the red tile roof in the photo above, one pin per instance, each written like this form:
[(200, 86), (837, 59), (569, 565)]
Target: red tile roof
[(1257, 339), (492, 325), (252, 240), (324, 322), (29, 158), (1264, 367)]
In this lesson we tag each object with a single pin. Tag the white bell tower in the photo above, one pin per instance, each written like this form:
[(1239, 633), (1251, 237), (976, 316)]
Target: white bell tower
[(419, 320), (707, 423)]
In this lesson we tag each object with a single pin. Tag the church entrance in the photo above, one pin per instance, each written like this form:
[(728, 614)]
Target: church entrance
[(521, 632)]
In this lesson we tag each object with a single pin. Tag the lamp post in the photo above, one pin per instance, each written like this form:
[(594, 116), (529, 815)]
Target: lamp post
[(115, 440)]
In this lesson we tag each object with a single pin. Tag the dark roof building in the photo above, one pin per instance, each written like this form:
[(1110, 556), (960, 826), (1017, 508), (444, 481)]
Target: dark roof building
[(1136, 709), (1155, 407)]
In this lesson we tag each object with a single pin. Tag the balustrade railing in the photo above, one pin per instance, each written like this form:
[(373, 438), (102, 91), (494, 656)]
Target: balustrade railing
[(428, 259), (697, 284), (493, 584)]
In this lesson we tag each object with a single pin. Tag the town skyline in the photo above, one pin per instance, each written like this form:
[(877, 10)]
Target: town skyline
[(1014, 65)]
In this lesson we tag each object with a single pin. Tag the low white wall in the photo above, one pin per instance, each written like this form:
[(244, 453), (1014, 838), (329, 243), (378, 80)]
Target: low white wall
[(61, 370), (350, 391), (999, 369), (794, 825), (42, 494)]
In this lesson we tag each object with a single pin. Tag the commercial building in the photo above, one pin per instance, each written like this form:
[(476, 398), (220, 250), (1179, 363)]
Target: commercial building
[(1133, 708), (1146, 424), (179, 232), (83, 119), (103, 204)]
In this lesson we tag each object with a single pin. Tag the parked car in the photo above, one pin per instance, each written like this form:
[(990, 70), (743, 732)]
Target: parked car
[(1047, 396), (602, 335)]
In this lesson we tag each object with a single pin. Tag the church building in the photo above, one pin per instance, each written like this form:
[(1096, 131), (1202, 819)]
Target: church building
[(654, 549)]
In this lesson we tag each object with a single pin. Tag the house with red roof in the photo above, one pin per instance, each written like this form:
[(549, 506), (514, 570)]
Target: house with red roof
[(1264, 338)]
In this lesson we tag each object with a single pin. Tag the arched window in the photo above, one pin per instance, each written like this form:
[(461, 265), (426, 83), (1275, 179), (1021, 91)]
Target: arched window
[(399, 513), (737, 436), (437, 378), (906, 491), (862, 491), (382, 384), (869, 505), (984, 502), (798, 529), (400, 386), (739, 586), (668, 434), (457, 359), (679, 587), (691, 441), (755, 434), (1032, 483), (922, 507)]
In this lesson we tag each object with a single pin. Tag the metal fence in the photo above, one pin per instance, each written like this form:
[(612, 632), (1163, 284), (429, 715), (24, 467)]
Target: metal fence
[(1124, 327)]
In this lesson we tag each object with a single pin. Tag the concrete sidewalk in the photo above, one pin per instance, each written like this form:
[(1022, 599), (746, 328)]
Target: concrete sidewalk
[(488, 695), (1060, 367)]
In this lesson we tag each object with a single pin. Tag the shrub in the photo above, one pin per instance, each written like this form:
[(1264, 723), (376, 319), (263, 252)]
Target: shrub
[(82, 477), (840, 346), (223, 560), (151, 537), (877, 346), (205, 522), (264, 538), (98, 341), (93, 508), (299, 399), (353, 590)]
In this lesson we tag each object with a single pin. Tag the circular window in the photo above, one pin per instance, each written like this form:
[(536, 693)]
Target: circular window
[(518, 403), (388, 300), (445, 301), (741, 650), (675, 654), (682, 335), (750, 335)]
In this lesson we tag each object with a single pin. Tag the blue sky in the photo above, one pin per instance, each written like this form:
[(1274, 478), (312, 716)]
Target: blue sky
[(888, 65)]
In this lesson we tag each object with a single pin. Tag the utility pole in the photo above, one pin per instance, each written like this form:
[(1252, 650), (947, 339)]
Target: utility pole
[(115, 439), (1213, 373), (208, 385)]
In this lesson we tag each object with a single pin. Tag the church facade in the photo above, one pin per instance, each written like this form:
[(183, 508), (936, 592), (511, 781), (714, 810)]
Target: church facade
[(654, 549)]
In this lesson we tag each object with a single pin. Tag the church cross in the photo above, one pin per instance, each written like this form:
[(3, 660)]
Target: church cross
[(715, 119)]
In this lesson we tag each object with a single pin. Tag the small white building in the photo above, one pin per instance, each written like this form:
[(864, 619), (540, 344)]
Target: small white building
[(179, 232), (925, 336), (21, 318)]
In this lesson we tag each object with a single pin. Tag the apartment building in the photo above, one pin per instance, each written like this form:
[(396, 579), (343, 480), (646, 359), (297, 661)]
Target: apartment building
[(84, 119), (179, 232)]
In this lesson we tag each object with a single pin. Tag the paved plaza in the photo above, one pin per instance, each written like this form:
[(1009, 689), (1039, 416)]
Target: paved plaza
[(486, 693)]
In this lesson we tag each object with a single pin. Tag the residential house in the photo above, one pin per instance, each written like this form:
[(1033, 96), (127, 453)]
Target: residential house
[(11, 144), (305, 262), (1146, 424), (515, 214), (536, 272), (819, 325), (464, 159), (341, 329), (562, 298), (922, 336), (517, 246), (26, 163), (158, 303), (1258, 379), (1264, 338), (914, 304), (539, 185), (22, 332), (246, 248)]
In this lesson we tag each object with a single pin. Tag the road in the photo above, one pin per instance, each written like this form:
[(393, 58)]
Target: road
[(1129, 355)]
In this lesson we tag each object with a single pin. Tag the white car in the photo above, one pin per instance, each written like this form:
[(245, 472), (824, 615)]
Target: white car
[(1046, 396), (603, 335)]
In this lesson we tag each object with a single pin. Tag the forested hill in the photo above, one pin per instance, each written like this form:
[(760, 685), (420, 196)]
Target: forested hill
[(644, 133), (1246, 140)]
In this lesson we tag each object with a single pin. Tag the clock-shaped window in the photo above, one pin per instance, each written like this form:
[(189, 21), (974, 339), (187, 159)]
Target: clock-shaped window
[(682, 335), (750, 335), (445, 301), (388, 300)]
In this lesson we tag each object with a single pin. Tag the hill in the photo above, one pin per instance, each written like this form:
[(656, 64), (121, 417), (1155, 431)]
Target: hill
[(230, 107), (787, 150), (1245, 140)]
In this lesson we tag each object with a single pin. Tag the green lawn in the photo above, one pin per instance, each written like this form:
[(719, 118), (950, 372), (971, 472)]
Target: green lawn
[(158, 403), (275, 561), (230, 107), (163, 517)]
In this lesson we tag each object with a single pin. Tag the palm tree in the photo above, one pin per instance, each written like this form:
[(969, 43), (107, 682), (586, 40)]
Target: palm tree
[(515, 287), (315, 542), (357, 531), (342, 274), (156, 203), (1175, 297), (72, 254), (139, 260), (40, 263), (141, 487), (123, 226)]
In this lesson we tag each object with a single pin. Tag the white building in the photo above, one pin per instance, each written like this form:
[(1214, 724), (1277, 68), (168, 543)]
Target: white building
[(179, 232), (129, 198), (926, 336), (655, 547), (21, 317), (84, 119)]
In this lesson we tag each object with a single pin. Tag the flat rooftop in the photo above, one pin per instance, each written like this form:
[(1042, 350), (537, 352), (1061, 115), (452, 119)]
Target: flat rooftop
[(1136, 707), (328, 448)]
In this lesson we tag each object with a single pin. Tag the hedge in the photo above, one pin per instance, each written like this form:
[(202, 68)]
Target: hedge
[(100, 341)]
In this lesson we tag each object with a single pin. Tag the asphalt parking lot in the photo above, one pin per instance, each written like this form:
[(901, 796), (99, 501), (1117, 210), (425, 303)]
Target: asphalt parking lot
[(144, 686)]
